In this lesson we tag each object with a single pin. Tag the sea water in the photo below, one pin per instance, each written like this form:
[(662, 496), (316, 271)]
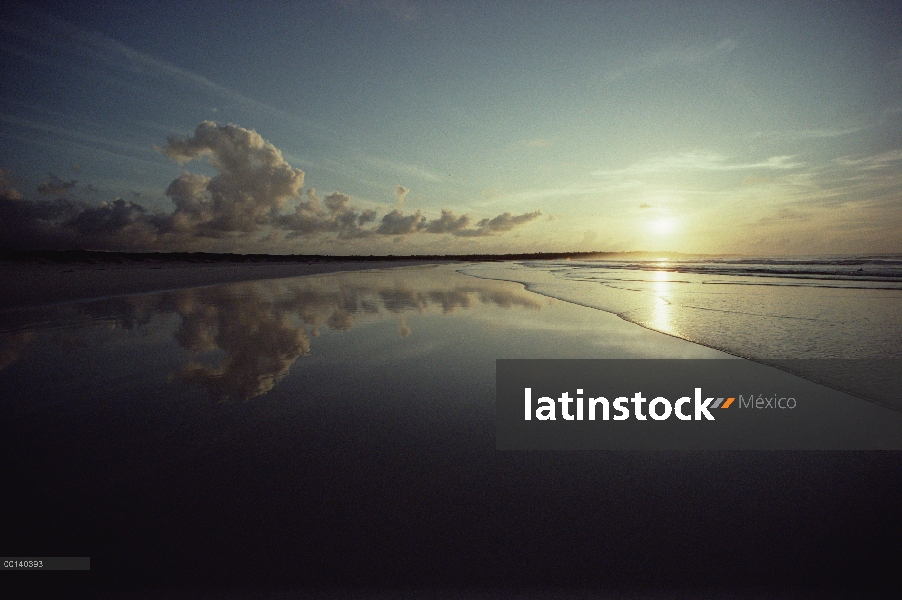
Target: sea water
[(809, 310)]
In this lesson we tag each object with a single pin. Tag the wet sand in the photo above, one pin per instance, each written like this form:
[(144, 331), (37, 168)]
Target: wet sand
[(338, 433), (26, 285)]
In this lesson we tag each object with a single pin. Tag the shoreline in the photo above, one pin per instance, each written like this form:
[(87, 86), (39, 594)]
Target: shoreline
[(31, 286), (35, 285), (872, 379)]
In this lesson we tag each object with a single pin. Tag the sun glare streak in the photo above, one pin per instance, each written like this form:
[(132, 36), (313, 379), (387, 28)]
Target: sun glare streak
[(661, 309)]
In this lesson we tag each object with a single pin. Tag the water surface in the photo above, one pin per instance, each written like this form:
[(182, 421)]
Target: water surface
[(768, 310), (338, 431)]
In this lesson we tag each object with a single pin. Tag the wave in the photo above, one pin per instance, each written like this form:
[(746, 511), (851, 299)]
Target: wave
[(882, 269), (764, 321)]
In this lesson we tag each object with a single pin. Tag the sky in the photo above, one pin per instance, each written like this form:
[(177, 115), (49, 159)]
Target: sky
[(411, 127)]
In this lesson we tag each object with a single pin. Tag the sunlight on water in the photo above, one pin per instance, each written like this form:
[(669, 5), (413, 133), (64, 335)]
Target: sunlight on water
[(764, 309), (661, 317)]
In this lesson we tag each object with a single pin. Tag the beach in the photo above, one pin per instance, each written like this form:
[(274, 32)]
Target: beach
[(33, 284), (408, 299), (337, 432), (833, 320)]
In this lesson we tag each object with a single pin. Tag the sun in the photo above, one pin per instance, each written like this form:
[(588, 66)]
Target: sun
[(663, 226)]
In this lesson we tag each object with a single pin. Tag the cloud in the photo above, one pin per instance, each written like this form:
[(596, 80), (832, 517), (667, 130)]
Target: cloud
[(29, 223), (406, 169), (244, 202), (36, 132), (396, 223), (252, 185), (808, 134), (699, 161), (506, 222), (334, 215), (7, 191), (106, 218), (891, 158), (55, 186), (400, 194), (448, 223), (65, 224)]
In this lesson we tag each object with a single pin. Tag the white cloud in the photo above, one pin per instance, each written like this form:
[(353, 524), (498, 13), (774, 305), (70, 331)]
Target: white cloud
[(242, 203), (253, 182), (698, 161), (400, 194)]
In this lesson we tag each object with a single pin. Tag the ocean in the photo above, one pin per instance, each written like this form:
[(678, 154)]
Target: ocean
[(796, 313)]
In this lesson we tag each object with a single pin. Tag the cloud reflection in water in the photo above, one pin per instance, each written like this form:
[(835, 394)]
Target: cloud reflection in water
[(260, 329), (243, 338)]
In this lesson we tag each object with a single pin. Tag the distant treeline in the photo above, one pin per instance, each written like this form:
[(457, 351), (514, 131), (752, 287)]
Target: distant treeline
[(96, 256)]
